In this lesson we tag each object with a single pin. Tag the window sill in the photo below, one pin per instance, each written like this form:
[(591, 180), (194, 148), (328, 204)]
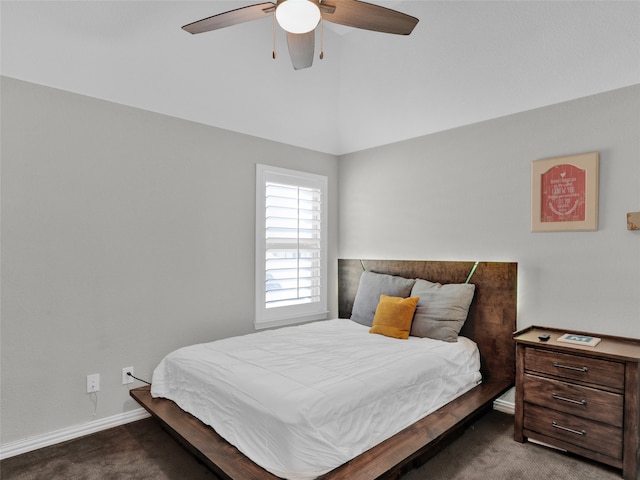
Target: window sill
[(281, 322)]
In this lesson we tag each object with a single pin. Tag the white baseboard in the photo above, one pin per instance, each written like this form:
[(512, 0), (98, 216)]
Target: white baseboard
[(18, 447), (507, 402)]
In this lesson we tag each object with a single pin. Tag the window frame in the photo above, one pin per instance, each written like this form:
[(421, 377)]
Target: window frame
[(291, 314)]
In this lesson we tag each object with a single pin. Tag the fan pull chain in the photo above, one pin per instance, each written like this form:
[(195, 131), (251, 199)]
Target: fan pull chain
[(273, 54), (321, 37)]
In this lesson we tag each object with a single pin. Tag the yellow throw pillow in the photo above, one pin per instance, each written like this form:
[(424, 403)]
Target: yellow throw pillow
[(393, 316)]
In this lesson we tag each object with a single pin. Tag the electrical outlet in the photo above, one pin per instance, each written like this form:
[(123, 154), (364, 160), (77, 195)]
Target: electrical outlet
[(93, 383), (127, 378)]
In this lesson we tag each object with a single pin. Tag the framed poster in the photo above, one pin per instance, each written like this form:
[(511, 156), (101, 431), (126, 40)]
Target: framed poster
[(564, 193)]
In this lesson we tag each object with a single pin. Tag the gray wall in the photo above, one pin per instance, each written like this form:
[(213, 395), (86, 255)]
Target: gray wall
[(125, 234), (464, 194)]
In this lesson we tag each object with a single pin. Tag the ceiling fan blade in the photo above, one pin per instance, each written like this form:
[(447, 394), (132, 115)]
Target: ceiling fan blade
[(367, 16), (232, 17), (301, 48)]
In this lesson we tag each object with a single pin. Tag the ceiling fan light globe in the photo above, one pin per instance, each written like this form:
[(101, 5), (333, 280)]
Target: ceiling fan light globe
[(298, 16)]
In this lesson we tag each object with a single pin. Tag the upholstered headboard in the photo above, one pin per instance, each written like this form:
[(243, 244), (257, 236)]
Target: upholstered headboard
[(492, 315)]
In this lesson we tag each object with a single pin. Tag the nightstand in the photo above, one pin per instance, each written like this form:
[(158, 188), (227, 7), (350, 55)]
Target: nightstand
[(579, 398)]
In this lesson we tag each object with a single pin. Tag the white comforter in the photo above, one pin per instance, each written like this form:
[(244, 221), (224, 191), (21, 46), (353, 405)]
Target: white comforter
[(300, 401)]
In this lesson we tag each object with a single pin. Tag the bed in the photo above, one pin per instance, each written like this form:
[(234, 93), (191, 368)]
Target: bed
[(490, 323)]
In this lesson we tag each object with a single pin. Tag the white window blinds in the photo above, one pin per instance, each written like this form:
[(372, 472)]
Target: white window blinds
[(290, 246), (293, 247)]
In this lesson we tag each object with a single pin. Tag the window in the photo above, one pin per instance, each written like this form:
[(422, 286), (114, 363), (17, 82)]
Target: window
[(291, 247)]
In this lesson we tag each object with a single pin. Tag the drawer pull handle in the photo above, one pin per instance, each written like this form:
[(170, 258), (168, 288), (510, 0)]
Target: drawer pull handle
[(579, 369), (566, 429), (564, 399)]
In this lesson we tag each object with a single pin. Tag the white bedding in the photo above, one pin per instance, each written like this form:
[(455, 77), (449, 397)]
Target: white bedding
[(301, 401)]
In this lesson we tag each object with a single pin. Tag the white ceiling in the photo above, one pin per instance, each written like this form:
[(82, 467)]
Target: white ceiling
[(466, 61)]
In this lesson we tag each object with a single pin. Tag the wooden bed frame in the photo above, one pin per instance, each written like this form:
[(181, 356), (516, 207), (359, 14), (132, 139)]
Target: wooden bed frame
[(491, 323)]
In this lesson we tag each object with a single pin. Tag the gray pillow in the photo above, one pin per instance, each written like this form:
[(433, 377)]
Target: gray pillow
[(371, 286), (442, 309)]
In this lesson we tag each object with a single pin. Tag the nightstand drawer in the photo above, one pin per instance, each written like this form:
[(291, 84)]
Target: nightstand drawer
[(598, 405), (575, 367), (577, 431)]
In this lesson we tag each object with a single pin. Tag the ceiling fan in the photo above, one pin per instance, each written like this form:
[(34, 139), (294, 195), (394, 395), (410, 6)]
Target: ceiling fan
[(299, 18)]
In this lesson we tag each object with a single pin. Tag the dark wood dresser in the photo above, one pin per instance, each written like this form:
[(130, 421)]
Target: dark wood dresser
[(582, 399)]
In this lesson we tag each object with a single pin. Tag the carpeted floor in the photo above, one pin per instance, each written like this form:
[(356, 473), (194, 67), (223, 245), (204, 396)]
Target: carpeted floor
[(142, 450)]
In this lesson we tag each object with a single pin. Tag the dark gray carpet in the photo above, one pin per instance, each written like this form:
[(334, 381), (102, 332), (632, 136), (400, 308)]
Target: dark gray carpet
[(142, 450)]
